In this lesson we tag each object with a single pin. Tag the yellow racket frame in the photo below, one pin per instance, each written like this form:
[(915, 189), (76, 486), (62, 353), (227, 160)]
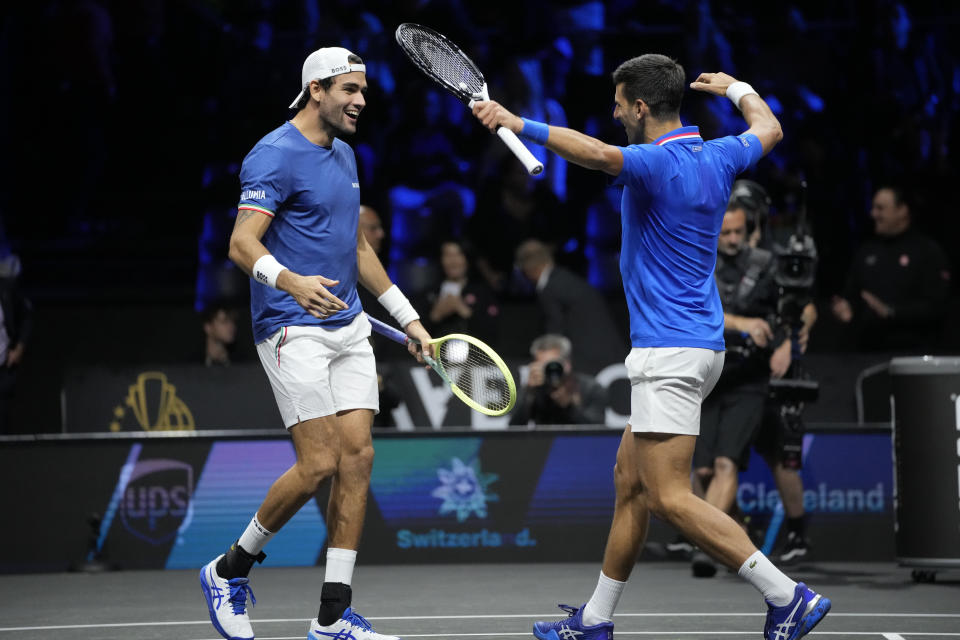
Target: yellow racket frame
[(457, 391)]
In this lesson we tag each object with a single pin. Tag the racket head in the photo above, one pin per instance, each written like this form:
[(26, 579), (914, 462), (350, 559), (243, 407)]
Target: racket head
[(476, 374), (441, 60)]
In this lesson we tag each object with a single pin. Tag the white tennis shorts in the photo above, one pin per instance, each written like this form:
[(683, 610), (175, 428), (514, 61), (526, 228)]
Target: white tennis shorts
[(667, 386), (317, 372)]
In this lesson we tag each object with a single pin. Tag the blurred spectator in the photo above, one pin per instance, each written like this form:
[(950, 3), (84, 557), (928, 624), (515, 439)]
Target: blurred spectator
[(556, 394), (17, 314), (463, 303), (220, 330), (511, 208), (898, 284), (572, 308), (372, 228)]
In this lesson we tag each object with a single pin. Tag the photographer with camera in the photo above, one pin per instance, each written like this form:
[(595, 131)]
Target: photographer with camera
[(556, 394), (758, 347)]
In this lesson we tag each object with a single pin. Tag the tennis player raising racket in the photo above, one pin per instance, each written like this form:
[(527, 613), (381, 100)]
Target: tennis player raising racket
[(676, 187)]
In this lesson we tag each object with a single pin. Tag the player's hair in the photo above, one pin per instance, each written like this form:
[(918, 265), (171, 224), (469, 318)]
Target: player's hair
[(326, 83), (655, 79), (550, 341)]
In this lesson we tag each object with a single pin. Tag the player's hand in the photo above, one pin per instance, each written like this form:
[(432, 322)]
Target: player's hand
[(715, 83), (758, 330), (416, 331), (842, 310), (493, 114), (312, 294)]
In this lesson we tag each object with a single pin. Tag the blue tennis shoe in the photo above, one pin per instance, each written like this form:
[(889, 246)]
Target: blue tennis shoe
[(798, 618), (350, 626), (572, 627), (227, 602)]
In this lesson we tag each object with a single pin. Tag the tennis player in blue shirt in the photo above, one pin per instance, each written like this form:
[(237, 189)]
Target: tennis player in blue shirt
[(298, 236), (676, 187)]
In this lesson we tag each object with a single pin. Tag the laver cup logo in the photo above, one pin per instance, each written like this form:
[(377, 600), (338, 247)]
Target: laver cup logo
[(153, 404), (156, 501)]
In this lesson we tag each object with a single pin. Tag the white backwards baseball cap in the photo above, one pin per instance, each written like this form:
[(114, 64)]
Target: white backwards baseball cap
[(325, 63)]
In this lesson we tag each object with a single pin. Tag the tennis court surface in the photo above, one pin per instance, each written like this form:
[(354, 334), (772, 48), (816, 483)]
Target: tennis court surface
[(870, 601)]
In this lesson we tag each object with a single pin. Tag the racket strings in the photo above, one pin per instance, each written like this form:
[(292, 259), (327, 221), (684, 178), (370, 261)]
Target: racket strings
[(475, 373), (442, 59)]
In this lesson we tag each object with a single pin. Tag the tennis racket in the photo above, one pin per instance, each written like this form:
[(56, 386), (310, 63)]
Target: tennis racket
[(474, 372), (442, 61)]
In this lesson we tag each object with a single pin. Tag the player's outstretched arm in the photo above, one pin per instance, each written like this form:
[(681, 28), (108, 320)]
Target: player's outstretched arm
[(572, 145), (248, 253), (373, 276), (756, 112)]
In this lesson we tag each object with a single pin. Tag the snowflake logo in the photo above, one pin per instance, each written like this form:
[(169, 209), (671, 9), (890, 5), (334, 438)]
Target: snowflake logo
[(463, 489)]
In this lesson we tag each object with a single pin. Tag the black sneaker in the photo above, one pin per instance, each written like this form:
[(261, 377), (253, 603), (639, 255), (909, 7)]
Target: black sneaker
[(702, 565), (795, 549), (680, 548)]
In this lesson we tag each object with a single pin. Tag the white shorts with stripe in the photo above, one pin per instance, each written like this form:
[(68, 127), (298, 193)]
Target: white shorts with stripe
[(668, 385), (317, 372)]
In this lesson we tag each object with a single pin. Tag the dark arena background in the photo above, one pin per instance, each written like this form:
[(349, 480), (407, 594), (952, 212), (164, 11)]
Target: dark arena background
[(134, 447)]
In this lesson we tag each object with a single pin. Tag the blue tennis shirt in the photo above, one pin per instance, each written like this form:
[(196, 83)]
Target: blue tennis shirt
[(675, 194), (313, 195)]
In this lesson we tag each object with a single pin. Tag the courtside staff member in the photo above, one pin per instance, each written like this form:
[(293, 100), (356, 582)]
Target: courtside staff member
[(676, 187), (297, 234)]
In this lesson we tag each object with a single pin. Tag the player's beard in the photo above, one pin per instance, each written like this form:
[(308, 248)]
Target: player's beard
[(335, 124), (636, 134)]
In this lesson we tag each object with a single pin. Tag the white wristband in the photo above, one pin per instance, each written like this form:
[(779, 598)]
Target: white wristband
[(737, 90), (266, 269), (399, 307)]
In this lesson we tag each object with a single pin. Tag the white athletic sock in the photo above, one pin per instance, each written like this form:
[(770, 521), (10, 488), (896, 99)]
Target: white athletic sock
[(255, 537), (603, 601), (340, 565), (775, 586)]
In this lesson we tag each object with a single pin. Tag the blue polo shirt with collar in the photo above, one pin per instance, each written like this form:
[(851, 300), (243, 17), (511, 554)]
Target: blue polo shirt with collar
[(675, 194)]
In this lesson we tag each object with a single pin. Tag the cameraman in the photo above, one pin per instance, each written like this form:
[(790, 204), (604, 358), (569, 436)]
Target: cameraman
[(554, 392), (779, 440), (757, 348)]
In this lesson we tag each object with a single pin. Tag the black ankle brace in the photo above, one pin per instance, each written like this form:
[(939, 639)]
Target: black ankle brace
[(335, 597), (236, 562)]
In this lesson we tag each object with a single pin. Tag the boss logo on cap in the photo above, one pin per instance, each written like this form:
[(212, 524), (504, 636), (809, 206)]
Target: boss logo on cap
[(341, 69)]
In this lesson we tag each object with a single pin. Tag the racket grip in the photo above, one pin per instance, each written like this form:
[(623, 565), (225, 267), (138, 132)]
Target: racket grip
[(387, 331), (529, 161)]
